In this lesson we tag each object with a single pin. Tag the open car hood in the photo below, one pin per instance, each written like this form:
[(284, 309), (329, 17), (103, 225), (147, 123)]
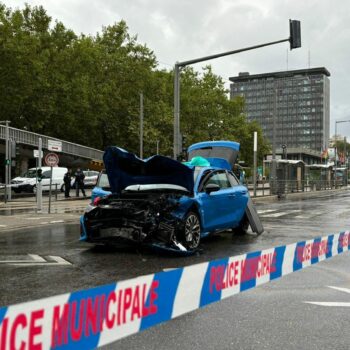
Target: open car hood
[(221, 154), (126, 169)]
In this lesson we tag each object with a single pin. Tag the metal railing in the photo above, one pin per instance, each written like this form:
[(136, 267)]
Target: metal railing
[(32, 139), (281, 187)]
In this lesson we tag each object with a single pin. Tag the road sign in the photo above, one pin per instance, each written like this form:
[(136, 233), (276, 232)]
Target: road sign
[(36, 153), (53, 145), (51, 159)]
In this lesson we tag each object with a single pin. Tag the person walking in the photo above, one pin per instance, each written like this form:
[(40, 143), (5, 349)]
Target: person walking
[(79, 182), (67, 181)]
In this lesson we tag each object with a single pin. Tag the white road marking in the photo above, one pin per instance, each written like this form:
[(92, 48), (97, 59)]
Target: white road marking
[(328, 303), (38, 218), (59, 260), (37, 260), (33, 258), (334, 303), (266, 211), (56, 221), (346, 290), (282, 213), (3, 225)]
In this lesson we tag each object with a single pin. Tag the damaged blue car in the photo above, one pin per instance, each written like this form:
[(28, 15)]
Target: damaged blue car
[(162, 202)]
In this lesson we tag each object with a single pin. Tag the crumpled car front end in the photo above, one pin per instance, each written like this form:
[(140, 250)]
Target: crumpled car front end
[(144, 204), (143, 216)]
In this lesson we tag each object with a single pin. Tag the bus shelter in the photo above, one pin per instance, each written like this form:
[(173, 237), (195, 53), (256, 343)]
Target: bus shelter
[(320, 176), (290, 176)]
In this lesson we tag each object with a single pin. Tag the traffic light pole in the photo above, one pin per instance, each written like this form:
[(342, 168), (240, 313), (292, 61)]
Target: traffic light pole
[(7, 165), (295, 42), (39, 193)]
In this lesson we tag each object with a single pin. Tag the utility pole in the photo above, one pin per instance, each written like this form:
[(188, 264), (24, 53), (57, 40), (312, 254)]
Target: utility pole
[(273, 161), (7, 161), (255, 159), (141, 125), (157, 146), (39, 193), (294, 40)]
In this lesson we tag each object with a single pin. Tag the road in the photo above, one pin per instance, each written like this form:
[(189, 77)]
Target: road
[(271, 316)]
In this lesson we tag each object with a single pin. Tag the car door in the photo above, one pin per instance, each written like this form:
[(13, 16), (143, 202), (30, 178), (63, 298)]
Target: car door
[(239, 197), (216, 207)]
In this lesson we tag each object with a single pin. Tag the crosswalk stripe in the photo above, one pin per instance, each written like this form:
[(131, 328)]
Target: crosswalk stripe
[(266, 211)]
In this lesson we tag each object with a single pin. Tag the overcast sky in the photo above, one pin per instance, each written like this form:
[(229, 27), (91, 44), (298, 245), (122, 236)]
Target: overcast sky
[(178, 30)]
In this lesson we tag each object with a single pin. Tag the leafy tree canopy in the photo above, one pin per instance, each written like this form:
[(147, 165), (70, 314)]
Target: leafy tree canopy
[(86, 89)]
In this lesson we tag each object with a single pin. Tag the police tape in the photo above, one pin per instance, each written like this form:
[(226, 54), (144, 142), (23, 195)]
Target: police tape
[(91, 318)]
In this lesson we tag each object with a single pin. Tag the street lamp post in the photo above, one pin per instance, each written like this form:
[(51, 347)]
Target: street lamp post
[(335, 149), (295, 42), (7, 159)]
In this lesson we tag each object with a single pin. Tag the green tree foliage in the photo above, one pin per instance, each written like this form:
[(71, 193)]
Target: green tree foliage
[(86, 89)]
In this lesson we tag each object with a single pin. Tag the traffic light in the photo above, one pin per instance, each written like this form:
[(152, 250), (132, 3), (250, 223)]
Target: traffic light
[(13, 149), (183, 147), (295, 36), (284, 151), (39, 175)]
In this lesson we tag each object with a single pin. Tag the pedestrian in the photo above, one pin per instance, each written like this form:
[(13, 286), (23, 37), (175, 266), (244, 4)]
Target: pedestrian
[(67, 181), (79, 182)]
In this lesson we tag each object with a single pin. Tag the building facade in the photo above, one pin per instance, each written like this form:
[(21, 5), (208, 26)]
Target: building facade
[(293, 103)]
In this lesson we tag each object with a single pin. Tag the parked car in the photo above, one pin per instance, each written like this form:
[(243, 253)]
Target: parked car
[(165, 203), (90, 179), (28, 181)]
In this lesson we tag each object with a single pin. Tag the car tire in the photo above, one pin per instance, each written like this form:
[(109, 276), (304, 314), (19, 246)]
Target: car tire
[(16, 190), (243, 227), (191, 231)]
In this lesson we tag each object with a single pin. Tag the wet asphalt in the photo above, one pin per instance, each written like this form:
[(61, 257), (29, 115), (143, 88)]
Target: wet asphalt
[(270, 316)]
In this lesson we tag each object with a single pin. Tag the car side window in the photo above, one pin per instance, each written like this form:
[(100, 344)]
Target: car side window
[(233, 179), (220, 179), (46, 174)]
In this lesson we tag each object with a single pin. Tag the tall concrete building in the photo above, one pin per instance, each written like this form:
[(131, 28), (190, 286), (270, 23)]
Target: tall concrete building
[(297, 99)]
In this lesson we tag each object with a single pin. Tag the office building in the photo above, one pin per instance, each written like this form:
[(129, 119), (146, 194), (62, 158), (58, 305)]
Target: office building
[(297, 99)]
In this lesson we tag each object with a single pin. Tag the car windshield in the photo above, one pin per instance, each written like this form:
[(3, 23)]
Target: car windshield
[(103, 181), (30, 173)]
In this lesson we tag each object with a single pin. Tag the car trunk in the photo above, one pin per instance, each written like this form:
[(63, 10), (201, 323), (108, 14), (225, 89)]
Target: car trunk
[(221, 154)]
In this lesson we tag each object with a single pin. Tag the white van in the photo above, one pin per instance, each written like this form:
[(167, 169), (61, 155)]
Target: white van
[(28, 181)]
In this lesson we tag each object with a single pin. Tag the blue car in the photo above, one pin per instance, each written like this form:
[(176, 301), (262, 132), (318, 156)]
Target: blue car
[(166, 203)]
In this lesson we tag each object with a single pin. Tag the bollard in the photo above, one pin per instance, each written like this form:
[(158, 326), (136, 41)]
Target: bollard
[(56, 192)]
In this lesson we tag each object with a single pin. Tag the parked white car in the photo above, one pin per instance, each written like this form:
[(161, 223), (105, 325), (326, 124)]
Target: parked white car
[(28, 181)]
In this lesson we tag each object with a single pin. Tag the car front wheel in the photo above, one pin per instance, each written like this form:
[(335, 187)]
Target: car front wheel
[(192, 231), (243, 227)]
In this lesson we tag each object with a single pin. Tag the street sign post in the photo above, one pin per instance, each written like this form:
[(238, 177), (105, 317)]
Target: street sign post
[(54, 145), (51, 159)]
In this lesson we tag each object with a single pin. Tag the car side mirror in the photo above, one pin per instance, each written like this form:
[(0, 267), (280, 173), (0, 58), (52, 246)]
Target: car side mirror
[(211, 188)]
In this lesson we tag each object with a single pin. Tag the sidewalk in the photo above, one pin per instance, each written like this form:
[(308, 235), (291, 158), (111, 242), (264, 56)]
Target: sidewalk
[(23, 213)]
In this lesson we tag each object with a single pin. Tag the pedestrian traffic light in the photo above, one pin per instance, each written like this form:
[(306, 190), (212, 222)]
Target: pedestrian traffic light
[(295, 36), (39, 175)]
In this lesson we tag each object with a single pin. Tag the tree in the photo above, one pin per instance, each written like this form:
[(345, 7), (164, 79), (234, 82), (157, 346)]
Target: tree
[(85, 89)]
